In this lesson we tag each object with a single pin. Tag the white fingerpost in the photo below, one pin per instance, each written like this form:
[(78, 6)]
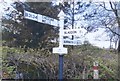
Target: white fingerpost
[(47, 20), (61, 50), (61, 25), (96, 72), (40, 18)]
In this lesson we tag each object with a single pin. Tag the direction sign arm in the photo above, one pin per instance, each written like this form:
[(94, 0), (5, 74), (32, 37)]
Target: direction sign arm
[(40, 18)]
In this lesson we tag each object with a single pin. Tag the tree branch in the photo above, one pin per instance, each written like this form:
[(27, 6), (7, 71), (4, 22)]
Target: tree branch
[(105, 7), (113, 31)]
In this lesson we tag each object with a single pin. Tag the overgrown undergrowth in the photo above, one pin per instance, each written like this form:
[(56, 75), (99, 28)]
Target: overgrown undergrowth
[(42, 64)]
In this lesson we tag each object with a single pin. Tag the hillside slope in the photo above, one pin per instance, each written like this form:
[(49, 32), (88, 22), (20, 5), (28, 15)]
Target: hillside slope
[(42, 64)]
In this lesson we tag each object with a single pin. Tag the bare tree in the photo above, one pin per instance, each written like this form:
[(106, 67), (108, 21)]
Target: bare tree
[(104, 15)]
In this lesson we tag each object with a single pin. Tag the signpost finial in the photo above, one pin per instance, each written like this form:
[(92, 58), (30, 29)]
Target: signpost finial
[(61, 14)]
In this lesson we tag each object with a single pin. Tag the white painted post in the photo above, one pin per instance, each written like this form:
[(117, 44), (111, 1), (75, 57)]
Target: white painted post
[(95, 68), (60, 50), (61, 25)]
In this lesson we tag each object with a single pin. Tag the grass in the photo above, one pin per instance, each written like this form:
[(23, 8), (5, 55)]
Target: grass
[(107, 59)]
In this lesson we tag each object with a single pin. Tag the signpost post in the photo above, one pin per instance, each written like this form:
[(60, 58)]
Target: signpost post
[(61, 25), (47, 20), (95, 68), (61, 50)]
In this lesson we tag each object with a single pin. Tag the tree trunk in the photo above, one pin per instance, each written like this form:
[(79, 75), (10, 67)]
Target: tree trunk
[(111, 42), (118, 49), (118, 46), (116, 12)]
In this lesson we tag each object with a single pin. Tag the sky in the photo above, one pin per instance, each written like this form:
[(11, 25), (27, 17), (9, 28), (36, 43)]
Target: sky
[(97, 38)]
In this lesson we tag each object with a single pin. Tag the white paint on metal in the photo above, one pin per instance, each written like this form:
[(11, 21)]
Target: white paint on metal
[(47, 20), (96, 72), (61, 25), (95, 63), (71, 32), (71, 42), (60, 50), (95, 76), (40, 18), (30, 15)]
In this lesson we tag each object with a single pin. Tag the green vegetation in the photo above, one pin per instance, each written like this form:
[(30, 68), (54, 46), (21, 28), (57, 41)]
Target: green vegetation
[(43, 64), (27, 48)]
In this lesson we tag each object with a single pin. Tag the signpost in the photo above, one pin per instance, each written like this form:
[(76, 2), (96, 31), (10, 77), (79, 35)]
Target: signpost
[(60, 50), (30, 15), (47, 20), (71, 32), (40, 18), (95, 68), (71, 42)]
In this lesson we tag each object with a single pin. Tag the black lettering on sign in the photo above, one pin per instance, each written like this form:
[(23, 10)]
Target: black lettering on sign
[(68, 41), (29, 15), (65, 32), (26, 14), (70, 32), (46, 20), (43, 19), (34, 16), (51, 19)]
